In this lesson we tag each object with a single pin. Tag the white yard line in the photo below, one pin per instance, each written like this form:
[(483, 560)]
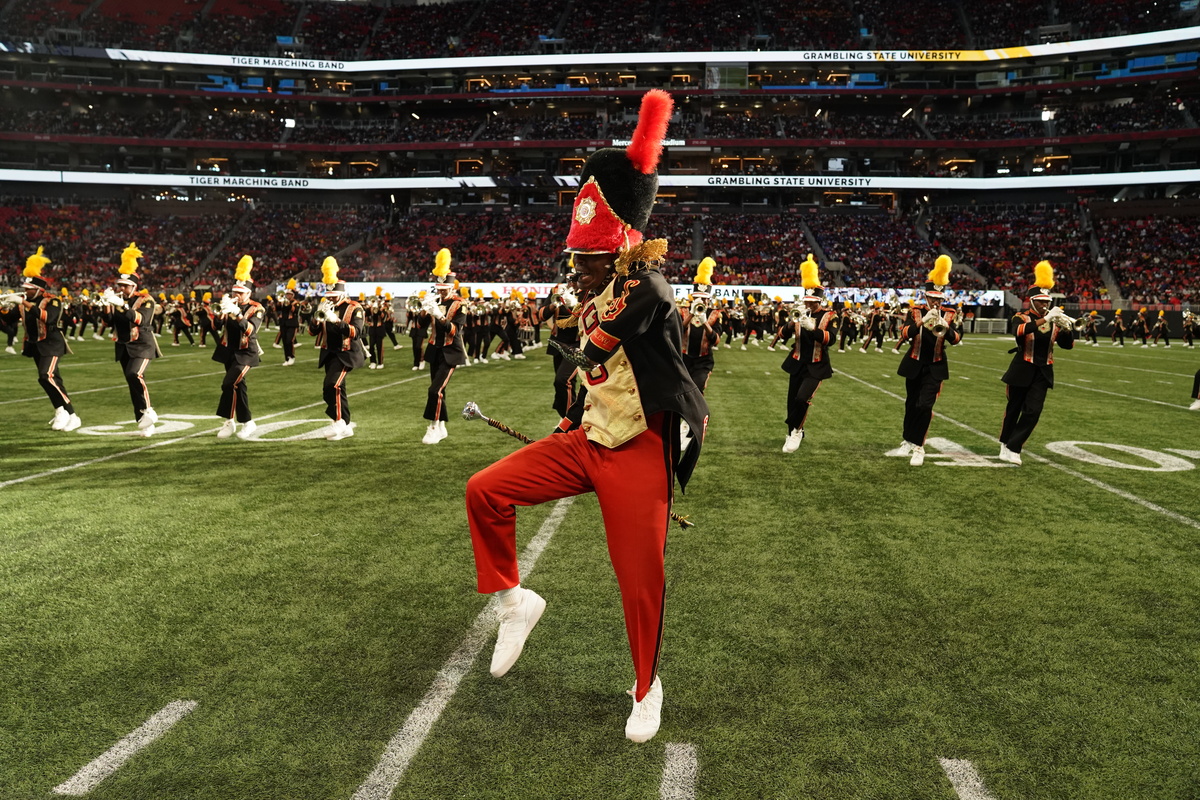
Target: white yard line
[(164, 442), (1166, 512), (1121, 366), (111, 388), (965, 779), (680, 772), (403, 747), (90, 776), (68, 365), (1088, 388)]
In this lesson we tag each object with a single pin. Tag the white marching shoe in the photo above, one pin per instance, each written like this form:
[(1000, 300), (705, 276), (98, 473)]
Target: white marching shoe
[(905, 449), (149, 417), (72, 423), (10, 350), (340, 429), (431, 434), (516, 622), (248, 429), (646, 717), (1195, 406), (60, 418), (227, 429), (440, 428), (1008, 456), (792, 443), (917, 458), (416, 369)]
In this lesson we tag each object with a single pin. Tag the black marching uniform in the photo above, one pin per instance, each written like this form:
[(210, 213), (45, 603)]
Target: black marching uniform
[(808, 364), (288, 314), (1030, 375), (46, 345), (238, 349), (924, 368), (444, 354), (699, 340), (564, 328), (341, 351), (135, 345)]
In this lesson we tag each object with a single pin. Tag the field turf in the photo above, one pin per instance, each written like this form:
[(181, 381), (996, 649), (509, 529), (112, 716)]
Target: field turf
[(837, 621)]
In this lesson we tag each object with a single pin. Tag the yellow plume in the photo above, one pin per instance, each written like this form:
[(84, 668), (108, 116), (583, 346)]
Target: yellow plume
[(291, 284), (1043, 275), (441, 263), (208, 297), (193, 294), (387, 296), (65, 293), (940, 274), (495, 295), (704, 271), (244, 265), (362, 296), (129, 259), (378, 291), (422, 294), (808, 274), (85, 293), (532, 295), (464, 292), (329, 271), (35, 263), (479, 292)]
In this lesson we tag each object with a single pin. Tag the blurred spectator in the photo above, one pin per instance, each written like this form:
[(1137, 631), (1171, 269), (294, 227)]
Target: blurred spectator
[(1155, 259)]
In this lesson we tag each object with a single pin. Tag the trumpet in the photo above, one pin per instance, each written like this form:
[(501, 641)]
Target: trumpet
[(698, 309), (325, 312), (413, 304), (10, 299), (798, 313), (934, 322), (1060, 318)]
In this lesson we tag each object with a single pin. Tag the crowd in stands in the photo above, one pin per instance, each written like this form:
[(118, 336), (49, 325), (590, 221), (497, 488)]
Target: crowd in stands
[(1138, 115), (438, 129), (1154, 259), (740, 125), (481, 28), (502, 128), (230, 126), (754, 248), (564, 127), (1004, 244), (861, 125), (682, 126), (83, 122), (340, 132), (945, 126), (878, 250), (896, 29)]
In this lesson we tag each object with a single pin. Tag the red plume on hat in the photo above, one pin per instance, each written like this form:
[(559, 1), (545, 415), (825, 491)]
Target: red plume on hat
[(617, 186)]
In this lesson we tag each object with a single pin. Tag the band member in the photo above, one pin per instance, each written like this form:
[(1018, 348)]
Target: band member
[(287, 311), (1091, 328), (445, 352), (874, 328), (1118, 329), (628, 448), (1195, 406), (698, 318), (849, 322), (180, 321), (44, 340), (10, 316), (1191, 326), (376, 320), (206, 320), (389, 320), (240, 318), (338, 323), (1031, 373), (1162, 328), (564, 329), (927, 331), (418, 330), (808, 363), (132, 320), (1141, 327)]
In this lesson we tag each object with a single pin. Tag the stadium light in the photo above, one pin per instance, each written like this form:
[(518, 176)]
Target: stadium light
[(906, 113), (289, 123)]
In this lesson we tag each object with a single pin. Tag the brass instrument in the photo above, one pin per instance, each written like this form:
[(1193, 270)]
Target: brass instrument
[(699, 308), (798, 313), (934, 322), (325, 311), (1057, 316), (413, 304), (10, 299)]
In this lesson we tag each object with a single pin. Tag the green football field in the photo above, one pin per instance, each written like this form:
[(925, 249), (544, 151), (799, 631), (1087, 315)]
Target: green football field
[(296, 618)]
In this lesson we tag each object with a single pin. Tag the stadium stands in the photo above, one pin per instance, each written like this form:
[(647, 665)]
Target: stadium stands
[(1155, 259)]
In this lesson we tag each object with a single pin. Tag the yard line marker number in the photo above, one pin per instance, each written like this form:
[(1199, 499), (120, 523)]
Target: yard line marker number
[(152, 729), (965, 779), (680, 770), (403, 747)]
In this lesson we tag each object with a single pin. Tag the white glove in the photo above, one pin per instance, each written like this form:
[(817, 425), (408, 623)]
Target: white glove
[(569, 299), (112, 298), (1058, 317), (228, 306), (808, 323), (329, 314), (431, 306)]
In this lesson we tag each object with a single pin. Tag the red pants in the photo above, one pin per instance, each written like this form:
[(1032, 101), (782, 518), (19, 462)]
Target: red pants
[(633, 483)]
